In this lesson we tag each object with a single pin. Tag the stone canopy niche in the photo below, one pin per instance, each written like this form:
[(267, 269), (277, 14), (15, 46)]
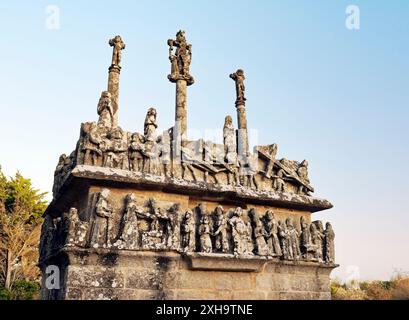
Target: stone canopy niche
[(154, 215)]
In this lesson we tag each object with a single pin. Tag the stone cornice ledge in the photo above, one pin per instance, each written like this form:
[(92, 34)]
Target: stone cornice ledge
[(229, 262), (219, 191)]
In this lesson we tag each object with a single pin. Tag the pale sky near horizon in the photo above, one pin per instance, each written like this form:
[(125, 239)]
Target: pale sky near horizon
[(334, 96)]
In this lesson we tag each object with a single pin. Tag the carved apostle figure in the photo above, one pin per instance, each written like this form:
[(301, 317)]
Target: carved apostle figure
[(220, 231), (136, 150), (240, 232), (74, 233), (302, 172), (116, 150), (294, 242), (174, 214), (278, 181), (259, 234), (105, 110), (91, 144), (130, 229), (305, 239), (100, 235), (150, 125), (204, 234), (188, 232), (229, 139), (118, 45), (165, 152), (284, 238), (271, 227), (181, 59), (317, 238), (329, 236), (239, 78)]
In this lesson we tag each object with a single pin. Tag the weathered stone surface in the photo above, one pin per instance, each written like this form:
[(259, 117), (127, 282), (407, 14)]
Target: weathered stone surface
[(154, 215)]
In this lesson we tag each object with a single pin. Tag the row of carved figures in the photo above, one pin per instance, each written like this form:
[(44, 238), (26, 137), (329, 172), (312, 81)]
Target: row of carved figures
[(151, 227), (102, 144)]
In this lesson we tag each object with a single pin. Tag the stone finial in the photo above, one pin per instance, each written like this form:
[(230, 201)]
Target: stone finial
[(180, 59), (118, 46)]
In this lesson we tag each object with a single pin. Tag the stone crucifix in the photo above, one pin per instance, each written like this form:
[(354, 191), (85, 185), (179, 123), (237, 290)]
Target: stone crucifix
[(118, 46), (114, 73)]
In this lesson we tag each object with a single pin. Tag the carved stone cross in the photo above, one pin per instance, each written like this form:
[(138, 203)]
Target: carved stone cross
[(118, 45)]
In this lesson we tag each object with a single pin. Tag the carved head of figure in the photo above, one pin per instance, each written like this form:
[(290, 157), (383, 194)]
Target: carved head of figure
[(240, 73), (313, 228), (73, 214), (117, 134), (289, 223), (180, 36), (219, 211), (319, 225), (61, 159), (228, 121), (130, 198), (328, 226), (205, 220), (105, 193), (238, 212), (270, 215), (303, 223), (188, 215), (175, 208)]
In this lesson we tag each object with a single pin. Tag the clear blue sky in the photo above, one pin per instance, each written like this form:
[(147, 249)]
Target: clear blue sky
[(336, 97)]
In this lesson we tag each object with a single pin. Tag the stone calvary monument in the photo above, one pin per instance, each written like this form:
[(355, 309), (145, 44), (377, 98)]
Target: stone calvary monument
[(154, 215)]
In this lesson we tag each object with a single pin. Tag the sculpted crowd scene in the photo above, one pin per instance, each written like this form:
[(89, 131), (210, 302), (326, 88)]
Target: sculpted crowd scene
[(149, 226), (170, 154)]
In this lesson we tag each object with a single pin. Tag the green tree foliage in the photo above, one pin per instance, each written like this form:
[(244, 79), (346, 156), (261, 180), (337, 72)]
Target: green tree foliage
[(21, 209)]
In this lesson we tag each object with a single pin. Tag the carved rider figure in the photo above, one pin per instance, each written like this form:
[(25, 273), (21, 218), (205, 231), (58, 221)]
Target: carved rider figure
[(118, 46)]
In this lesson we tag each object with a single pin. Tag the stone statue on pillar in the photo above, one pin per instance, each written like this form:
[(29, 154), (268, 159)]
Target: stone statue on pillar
[(239, 78), (118, 46), (180, 60), (114, 72), (242, 134)]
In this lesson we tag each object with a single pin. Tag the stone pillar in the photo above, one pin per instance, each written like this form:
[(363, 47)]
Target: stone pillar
[(113, 89), (181, 108), (114, 73), (242, 134)]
